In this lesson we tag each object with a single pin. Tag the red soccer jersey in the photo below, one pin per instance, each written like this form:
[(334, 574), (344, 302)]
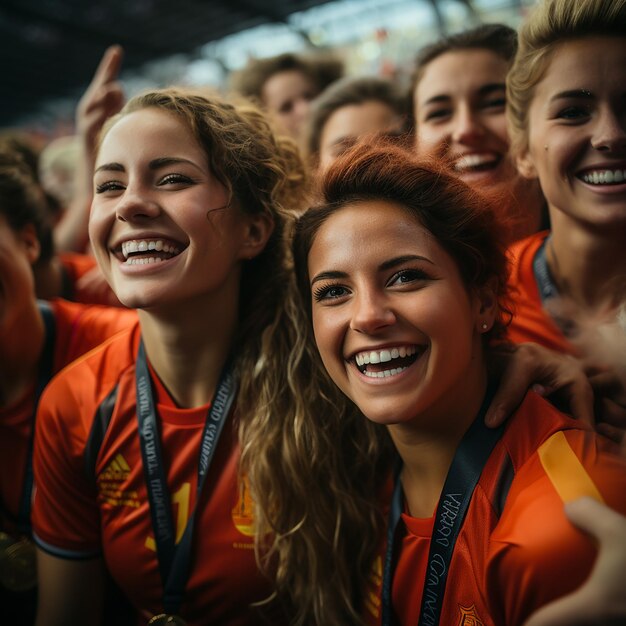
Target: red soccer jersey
[(516, 550), (75, 514), (78, 329), (530, 321)]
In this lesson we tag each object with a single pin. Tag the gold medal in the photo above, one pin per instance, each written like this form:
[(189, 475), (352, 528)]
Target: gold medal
[(18, 566), (164, 618)]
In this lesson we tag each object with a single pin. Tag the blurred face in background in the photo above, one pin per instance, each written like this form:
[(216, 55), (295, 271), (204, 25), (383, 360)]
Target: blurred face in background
[(459, 108), (350, 123), (287, 96)]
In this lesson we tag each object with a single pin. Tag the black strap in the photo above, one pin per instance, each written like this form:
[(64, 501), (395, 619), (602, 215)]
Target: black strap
[(463, 475), (174, 560), (44, 374), (545, 284)]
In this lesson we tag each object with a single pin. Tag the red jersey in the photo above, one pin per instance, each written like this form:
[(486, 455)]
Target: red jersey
[(530, 321), (516, 550), (78, 329), (80, 515)]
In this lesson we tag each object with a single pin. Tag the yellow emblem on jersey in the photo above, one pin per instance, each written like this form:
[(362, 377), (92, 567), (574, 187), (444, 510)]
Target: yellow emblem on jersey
[(243, 512), (469, 617)]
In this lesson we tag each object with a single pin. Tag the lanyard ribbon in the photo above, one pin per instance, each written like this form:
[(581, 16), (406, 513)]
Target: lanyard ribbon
[(44, 374), (547, 288), (465, 470), (174, 559)]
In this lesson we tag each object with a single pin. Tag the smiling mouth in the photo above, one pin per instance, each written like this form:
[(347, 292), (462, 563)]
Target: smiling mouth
[(388, 362), (146, 251), (604, 176), (476, 163)]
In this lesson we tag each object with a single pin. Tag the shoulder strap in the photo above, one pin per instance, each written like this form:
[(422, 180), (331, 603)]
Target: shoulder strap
[(99, 427)]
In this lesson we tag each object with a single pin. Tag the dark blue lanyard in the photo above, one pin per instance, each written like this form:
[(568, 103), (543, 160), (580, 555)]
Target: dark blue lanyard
[(465, 470), (545, 284), (174, 559), (44, 374)]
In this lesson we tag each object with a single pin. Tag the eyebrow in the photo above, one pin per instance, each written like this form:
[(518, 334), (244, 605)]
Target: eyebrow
[(385, 265), (572, 93), (485, 90), (155, 164)]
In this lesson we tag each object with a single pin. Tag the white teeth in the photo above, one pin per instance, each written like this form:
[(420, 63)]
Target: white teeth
[(383, 356), (469, 161), (385, 373), (144, 260), (145, 245), (604, 177)]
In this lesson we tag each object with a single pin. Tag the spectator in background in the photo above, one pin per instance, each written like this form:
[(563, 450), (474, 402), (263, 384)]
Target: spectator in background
[(459, 102), (350, 109), (36, 341), (285, 85)]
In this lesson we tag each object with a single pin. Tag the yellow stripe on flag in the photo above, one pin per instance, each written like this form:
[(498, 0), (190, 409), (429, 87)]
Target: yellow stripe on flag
[(569, 477)]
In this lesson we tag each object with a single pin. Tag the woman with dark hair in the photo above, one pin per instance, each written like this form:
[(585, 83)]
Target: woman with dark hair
[(37, 339), (459, 101), (406, 283), (284, 85), (350, 109)]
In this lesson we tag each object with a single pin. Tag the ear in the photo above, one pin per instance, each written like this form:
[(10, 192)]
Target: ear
[(526, 166), (27, 236), (259, 228), (486, 306)]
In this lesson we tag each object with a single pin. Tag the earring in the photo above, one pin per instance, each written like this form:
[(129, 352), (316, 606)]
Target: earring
[(484, 326)]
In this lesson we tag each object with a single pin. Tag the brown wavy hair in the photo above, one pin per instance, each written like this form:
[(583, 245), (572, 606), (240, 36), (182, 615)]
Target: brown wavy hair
[(295, 453), (464, 225), (551, 23)]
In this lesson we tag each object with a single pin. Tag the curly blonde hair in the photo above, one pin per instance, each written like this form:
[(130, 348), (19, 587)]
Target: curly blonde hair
[(285, 404), (551, 23)]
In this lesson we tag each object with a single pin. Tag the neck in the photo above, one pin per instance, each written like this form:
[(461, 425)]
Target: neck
[(588, 268), (187, 348), (22, 345), (427, 445)]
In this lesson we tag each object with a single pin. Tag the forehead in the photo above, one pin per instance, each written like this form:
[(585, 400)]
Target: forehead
[(460, 72), (370, 232), (150, 132), (590, 62), (365, 117), (284, 85)]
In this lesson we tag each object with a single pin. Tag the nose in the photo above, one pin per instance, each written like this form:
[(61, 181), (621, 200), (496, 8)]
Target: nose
[(610, 132), (467, 128), (371, 313), (135, 205)]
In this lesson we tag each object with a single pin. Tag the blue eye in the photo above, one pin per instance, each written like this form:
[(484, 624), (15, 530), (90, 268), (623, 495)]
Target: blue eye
[(329, 292), (404, 277)]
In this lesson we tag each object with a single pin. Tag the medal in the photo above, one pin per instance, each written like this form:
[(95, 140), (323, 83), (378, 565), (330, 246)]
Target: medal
[(18, 566), (163, 618)]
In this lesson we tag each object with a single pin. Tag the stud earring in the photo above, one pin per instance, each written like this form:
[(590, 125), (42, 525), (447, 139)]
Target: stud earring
[(484, 326)]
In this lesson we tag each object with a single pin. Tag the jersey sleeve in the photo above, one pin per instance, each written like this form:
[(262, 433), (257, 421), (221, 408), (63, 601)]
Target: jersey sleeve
[(65, 515), (536, 555)]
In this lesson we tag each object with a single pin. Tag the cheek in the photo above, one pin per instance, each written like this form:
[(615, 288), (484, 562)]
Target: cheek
[(430, 139)]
